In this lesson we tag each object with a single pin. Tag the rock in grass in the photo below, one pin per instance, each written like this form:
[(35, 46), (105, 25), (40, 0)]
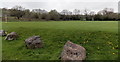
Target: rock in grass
[(34, 42), (73, 51), (2, 33), (12, 36)]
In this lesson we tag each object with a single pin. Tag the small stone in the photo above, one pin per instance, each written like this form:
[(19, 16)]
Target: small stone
[(2, 33), (12, 36), (73, 51), (34, 42)]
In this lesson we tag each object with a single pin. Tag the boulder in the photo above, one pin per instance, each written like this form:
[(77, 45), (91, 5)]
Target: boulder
[(34, 42), (12, 36), (2, 33), (73, 51)]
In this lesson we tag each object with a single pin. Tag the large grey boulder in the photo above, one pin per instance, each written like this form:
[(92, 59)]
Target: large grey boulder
[(34, 42), (12, 36), (73, 52), (2, 33)]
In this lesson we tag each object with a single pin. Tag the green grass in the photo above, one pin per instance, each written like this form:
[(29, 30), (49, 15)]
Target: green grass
[(99, 38)]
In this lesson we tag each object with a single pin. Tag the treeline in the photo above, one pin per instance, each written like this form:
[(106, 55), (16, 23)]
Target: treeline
[(21, 13)]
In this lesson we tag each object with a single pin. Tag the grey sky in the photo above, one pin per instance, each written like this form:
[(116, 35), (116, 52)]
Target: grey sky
[(93, 5)]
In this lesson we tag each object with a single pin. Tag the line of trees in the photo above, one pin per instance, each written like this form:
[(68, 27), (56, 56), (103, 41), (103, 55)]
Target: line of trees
[(19, 12)]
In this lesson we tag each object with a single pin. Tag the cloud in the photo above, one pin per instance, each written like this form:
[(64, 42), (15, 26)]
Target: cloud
[(60, 5), (59, 0)]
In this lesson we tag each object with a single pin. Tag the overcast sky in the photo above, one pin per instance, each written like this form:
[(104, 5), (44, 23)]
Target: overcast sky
[(59, 5)]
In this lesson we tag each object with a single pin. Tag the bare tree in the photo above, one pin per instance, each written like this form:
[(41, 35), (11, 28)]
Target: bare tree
[(66, 12), (86, 13), (107, 11), (76, 11), (92, 13), (18, 8), (17, 11), (39, 11)]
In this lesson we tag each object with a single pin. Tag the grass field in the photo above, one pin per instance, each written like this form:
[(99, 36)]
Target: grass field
[(99, 38)]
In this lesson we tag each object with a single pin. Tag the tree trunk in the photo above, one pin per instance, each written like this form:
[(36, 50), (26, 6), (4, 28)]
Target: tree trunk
[(18, 18)]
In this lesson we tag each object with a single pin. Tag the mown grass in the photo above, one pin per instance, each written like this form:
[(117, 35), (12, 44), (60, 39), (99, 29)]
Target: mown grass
[(99, 38)]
